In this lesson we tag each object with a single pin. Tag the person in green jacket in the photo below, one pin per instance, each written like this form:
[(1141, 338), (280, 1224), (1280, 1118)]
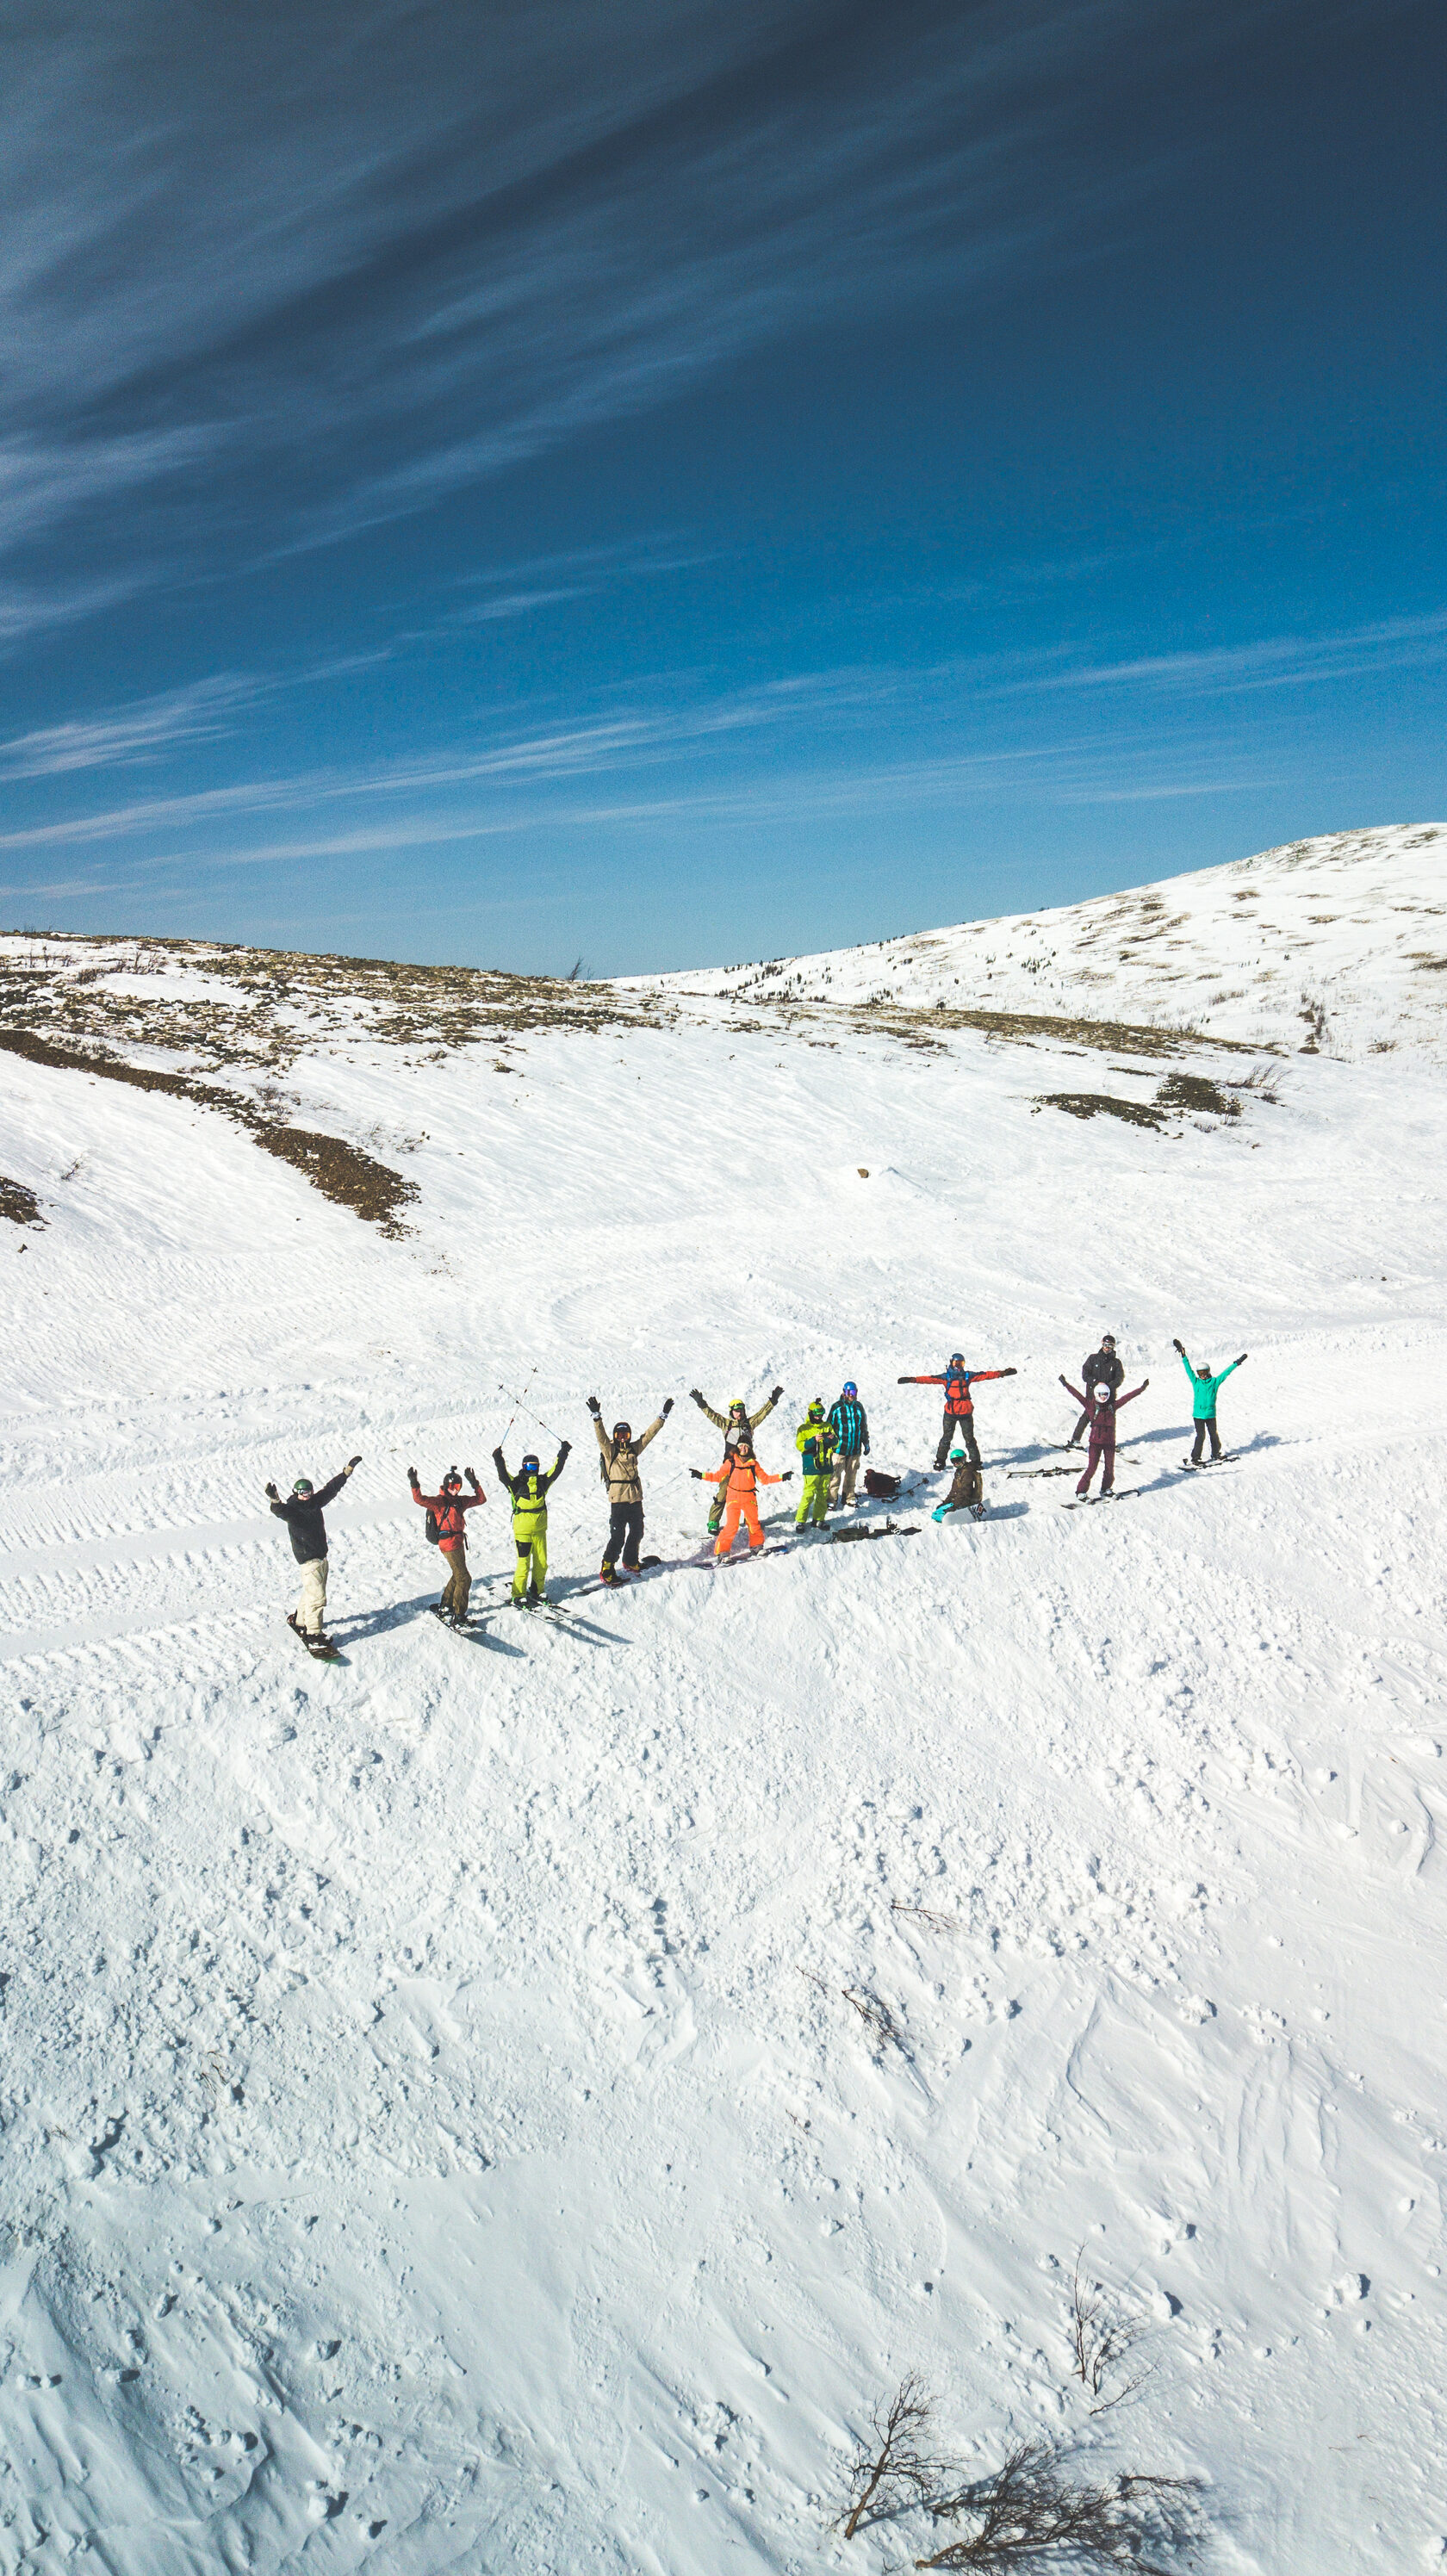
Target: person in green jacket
[(814, 1441), (1204, 1390)]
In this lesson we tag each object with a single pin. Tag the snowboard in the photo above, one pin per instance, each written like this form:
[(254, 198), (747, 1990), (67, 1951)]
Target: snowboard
[(325, 1651)]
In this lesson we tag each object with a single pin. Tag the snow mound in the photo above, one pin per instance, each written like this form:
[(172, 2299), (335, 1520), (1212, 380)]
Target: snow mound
[(1339, 944)]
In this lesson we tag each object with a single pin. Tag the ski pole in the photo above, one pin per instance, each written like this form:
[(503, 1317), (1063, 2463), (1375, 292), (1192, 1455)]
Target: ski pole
[(523, 1407), (517, 1400)]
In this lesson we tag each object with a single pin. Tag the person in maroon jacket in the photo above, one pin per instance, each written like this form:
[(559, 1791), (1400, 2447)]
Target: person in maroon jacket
[(957, 1381), (451, 1506), (1101, 1404)]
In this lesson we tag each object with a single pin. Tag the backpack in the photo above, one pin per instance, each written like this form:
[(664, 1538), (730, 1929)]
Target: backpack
[(429, 1527), (875, 1483)]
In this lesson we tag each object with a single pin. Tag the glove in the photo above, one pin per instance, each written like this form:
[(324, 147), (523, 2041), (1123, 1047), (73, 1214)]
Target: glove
[(411, 1475), (904, 1381), (471, 1478), (1009, 1372), (1145, 1382), (593, 1405), (1178, 1346), (271, 1490), (353, 1463), (697, 1474), (774, 1394), (563, 1449), (787, 1477), (667, 1406), (1244, 1356), (697, 1394)]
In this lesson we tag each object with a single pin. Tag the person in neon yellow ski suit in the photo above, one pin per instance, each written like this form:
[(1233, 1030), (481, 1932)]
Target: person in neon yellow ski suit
[(529, 1490), (814, 1441)]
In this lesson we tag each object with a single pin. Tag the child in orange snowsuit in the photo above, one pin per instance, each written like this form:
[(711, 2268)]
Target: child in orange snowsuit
[(744, 1474)]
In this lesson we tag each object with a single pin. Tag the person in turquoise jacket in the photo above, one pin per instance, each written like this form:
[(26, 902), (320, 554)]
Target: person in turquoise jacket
[(814, 1441), (1204, 1390)]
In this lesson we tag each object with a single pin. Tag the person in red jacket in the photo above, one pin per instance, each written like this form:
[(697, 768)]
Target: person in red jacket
[(1101, 1403), (744, 1475), (451, 1506), (957, 1381)]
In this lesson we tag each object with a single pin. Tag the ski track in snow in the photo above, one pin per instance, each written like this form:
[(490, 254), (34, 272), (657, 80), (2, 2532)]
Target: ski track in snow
[(435, 2130)]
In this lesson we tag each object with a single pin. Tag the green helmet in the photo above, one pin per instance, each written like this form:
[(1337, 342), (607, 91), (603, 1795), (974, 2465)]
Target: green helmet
[(957, 1457), (816, 1409)]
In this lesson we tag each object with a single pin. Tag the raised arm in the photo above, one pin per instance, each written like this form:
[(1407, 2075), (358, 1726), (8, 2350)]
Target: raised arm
[(652, 1432), (764, 1410), (1072, 1390), (1135, 1391), (547, 1482), (719, 1419), (503, 1477), (330, 1491)]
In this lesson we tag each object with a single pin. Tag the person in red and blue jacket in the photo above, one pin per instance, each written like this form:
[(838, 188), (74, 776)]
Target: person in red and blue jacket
[(957, 1381)]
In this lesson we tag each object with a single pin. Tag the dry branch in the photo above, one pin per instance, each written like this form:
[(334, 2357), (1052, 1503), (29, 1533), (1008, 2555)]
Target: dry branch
[(1029, 2512), (889, 2470)]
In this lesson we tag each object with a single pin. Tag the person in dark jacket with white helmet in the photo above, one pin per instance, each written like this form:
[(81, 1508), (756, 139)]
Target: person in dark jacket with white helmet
[(305, 1527)]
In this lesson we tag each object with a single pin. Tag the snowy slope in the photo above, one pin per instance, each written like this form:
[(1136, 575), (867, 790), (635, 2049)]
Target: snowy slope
[(1340, 941), (434, 2131)]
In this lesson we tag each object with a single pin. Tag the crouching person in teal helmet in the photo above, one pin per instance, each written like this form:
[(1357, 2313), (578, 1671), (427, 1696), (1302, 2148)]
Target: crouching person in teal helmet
[(967, 1490), (814, 1441), (529, 1489)]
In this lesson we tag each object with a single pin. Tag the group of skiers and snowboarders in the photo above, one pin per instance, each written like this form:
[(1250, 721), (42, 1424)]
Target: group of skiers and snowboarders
[(831, 1444)]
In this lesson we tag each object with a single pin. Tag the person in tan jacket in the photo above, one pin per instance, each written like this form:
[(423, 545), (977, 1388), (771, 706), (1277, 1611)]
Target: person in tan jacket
[(738, 1418), (621, 1453)]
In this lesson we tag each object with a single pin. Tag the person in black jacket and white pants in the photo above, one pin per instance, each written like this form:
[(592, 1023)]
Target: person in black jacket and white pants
[(302, 1513)]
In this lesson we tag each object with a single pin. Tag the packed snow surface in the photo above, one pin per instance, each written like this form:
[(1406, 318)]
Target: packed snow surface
[(518, 2101)]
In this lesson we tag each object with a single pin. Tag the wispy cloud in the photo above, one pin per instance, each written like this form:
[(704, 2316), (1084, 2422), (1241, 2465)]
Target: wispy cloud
[(141, 731), (370, 256), (1275, 662)]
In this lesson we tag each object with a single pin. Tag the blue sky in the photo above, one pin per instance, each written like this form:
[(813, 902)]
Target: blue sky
[(671, 484)]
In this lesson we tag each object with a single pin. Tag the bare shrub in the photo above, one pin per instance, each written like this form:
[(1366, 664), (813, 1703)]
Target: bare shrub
[(926, 1915), (890, 2470), (1102, 2331), (1031, 2512)]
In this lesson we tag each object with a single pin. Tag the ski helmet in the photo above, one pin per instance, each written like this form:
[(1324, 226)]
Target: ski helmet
[(1102, 1395), (622, 1430), (737, 1404), (451, 1478), (849, 1387), (957, 1457), (530, 1464), (303, 1485), (1107, 1341), (957, 1359), (816, 1409)]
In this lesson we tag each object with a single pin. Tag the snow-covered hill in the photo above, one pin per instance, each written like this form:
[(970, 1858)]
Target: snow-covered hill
[(1339, 943), (520, 2102)]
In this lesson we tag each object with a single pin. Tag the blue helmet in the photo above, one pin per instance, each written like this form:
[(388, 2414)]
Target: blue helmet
[(849, 1387), (957, 1359)]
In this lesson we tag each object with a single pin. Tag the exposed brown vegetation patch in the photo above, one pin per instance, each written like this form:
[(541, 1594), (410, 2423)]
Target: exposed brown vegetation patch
[(18, 1203), (1100, 1104), (1200, 1098), (340, 1171)]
